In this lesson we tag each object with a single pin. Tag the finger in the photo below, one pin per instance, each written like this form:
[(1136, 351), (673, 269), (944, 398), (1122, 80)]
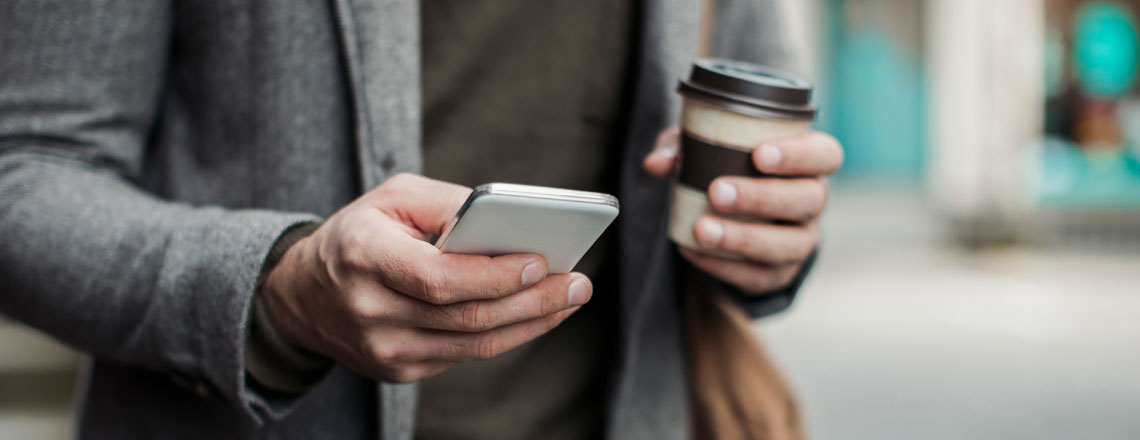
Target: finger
[(408, 373), (458, 346), (420, 270), (427, 204), (815, 154), (760, 242), (662, 161), (554, 294), (752, 278), (796, 200)]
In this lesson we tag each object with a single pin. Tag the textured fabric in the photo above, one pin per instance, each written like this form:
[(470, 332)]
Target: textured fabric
[(151, 152), (270, 360), (650, 399), (526, 92)]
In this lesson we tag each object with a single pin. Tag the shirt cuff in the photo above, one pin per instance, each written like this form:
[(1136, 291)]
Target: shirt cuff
[(760, 306), (270, 360)]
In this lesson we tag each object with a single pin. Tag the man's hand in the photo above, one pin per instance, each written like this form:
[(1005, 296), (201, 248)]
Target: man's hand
[(367, 290), (772, 249)]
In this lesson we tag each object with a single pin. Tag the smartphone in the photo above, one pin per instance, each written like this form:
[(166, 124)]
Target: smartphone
[(504, 218)]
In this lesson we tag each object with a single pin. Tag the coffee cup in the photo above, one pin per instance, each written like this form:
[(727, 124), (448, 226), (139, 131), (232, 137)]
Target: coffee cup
[(730, 108)]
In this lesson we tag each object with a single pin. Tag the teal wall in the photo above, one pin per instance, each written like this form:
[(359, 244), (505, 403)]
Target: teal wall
[(874, 95)]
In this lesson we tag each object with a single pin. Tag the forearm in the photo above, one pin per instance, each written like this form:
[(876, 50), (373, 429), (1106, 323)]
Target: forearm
[(123, 275)]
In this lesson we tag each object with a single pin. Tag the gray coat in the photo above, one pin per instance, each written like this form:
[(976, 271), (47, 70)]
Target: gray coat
[(151, 151)]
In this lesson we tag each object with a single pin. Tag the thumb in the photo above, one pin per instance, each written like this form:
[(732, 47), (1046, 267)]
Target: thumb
[(662, 161), (423, 203)]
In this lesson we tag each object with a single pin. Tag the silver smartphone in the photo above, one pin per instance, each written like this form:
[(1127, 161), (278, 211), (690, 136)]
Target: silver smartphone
[(504, 218)]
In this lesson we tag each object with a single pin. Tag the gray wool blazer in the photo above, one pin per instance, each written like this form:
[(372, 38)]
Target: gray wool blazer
[(151, 151)]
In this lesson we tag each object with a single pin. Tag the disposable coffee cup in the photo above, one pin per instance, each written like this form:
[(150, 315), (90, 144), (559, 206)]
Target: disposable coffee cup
[(729, 109)]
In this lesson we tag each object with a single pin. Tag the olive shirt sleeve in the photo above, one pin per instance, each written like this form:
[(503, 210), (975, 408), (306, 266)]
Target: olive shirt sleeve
[(271, 362)]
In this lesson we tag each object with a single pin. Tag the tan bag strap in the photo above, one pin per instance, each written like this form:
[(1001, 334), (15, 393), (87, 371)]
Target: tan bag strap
[(708, 19), (738, 393)]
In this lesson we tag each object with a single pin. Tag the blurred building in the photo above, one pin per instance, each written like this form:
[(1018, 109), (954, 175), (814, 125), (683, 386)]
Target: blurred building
[(1019, 118), (977, 276)]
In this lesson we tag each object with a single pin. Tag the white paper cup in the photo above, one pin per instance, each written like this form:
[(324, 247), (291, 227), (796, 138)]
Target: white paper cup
[(729, 109)]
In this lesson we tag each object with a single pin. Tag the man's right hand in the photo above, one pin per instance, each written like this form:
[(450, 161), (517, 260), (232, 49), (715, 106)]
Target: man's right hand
[(369, 291)]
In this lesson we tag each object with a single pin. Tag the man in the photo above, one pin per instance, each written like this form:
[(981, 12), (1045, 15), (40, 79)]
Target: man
[(207, 198)]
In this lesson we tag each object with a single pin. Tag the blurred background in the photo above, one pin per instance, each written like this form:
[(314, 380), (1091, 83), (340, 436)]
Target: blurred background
[(980, 269), (979, 275)]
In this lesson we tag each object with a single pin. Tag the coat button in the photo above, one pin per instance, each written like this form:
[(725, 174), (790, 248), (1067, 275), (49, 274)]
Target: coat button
[(198, 387), (203, 390), (387, 162)]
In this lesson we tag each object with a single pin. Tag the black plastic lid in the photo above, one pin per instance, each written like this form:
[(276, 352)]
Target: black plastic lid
[(749, 88)]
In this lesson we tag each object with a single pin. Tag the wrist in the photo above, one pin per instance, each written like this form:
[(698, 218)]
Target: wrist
[(274, 357), (278, 295)]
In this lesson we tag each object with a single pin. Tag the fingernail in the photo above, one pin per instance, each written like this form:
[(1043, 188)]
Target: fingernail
[(533, 273), (709, 232), (770, 157), (723, 194), (579, 293), (668, 150)]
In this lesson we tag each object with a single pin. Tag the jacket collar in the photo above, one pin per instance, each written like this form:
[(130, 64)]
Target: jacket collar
[(380, 50)]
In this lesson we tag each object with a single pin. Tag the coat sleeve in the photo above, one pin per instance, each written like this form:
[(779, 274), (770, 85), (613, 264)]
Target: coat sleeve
[(86, 255), (768, 304)]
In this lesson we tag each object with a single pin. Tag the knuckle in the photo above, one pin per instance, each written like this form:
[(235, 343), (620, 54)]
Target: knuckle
[(667, 133), (404, 375), (761, 282), (814, 196), (787, 275), (758, 197), (824, 140), (827, 139), (736, 239), (350, 253), (364, 305), (382, 353), (821, 193), (553, 298), (762, 249), (833, 144), (755, 286), (430, 283), (812, 241), (473, 317), (486, 347), (802, 249), (394, 184), (401, 179)]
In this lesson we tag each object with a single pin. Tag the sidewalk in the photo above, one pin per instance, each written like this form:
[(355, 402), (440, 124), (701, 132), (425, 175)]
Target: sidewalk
[(899, 335)]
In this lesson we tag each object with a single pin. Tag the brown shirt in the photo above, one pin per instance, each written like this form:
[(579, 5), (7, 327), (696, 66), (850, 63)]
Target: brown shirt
[(526, 92)]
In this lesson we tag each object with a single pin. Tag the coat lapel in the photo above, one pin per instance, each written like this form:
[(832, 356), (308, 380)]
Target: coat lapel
[(651, 399), (379, 43), (380, 48)]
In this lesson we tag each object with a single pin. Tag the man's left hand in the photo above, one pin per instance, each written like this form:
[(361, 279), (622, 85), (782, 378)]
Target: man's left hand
[(773, 248)]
